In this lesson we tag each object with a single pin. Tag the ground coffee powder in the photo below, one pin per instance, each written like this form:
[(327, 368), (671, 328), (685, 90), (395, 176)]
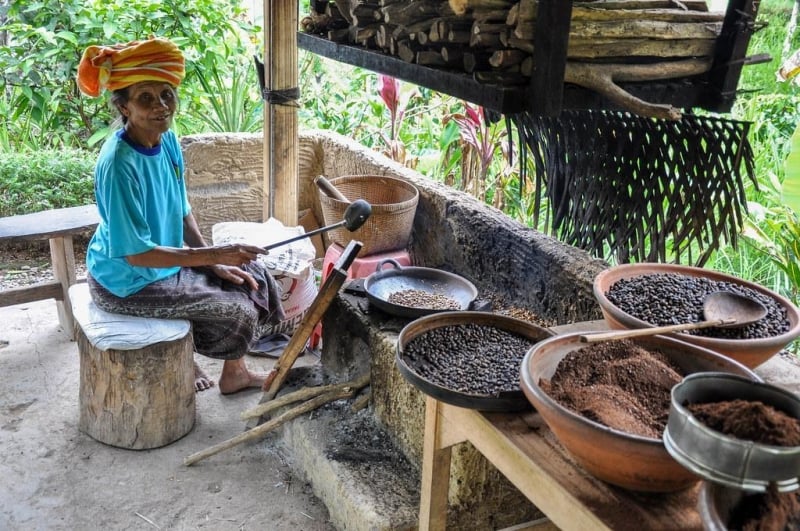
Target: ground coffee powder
[(771, 511), (761, 423), (750, 421), (618, 384)]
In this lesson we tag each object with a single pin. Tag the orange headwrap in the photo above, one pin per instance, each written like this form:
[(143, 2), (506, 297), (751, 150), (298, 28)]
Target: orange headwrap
[(122, 65)]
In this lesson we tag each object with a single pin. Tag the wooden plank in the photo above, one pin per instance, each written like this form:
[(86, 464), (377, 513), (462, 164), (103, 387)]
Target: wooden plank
[(281, 187), (692, 5), (36, 292), (49, 223), (527, 452), (542, 524), (627, 48), (535, 468), (550, 56), (329, 290)]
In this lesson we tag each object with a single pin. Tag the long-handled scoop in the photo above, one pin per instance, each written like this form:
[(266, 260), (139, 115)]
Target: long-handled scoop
[(355, 215), (723, 309)]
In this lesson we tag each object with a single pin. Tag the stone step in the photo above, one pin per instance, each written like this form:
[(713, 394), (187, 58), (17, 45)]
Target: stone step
[(354, 468)]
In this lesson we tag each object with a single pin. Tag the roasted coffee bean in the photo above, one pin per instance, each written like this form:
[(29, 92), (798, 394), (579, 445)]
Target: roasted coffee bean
[(469, 358), (672, 298), (417, 298)]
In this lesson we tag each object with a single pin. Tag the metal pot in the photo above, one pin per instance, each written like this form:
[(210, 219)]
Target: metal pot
[(503, 401), (380, 285)]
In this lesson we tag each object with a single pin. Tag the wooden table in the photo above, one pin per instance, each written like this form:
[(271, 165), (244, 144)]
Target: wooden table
[(58, 226), (523, 448)]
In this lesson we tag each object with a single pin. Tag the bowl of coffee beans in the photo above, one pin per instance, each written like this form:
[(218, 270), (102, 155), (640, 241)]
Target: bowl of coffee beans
[(608, 402), (650, 294), (468, 359)]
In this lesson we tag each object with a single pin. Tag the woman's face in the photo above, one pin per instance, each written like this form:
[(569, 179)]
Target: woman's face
[(150, 106)]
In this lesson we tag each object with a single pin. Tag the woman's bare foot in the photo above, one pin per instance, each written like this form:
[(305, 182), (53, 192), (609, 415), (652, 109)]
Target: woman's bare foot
[(236, 377), (201, 379)]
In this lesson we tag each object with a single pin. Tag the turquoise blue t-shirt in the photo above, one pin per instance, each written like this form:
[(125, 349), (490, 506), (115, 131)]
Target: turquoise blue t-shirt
[(141, 196)]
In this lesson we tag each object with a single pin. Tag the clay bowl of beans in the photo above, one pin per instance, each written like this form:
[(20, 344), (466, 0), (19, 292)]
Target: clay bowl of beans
[(649, 294), (608, 403), (468, 359)]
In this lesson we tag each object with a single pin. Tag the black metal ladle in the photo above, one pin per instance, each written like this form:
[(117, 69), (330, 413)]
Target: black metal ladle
[(355, 216), (723, 309)]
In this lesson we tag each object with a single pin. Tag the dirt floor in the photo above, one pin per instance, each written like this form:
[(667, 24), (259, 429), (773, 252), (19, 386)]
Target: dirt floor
[(54, 477)]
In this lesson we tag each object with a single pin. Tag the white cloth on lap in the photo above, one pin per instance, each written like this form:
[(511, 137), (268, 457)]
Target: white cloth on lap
[(116, 331)]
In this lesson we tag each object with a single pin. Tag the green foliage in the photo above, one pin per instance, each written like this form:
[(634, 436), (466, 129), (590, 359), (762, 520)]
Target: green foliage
[(333, 98), (791, 183), (770, 255), (773, 17), (45, 42), (39, 180), (229, 103)]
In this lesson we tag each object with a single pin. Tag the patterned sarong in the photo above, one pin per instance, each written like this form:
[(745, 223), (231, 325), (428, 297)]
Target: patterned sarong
[(225, 317)]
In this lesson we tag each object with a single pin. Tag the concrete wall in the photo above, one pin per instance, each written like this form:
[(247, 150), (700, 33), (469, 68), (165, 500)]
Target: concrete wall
[(452, 231)]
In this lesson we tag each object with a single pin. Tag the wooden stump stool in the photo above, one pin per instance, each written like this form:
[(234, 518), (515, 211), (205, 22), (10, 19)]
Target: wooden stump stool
[(136, 398)]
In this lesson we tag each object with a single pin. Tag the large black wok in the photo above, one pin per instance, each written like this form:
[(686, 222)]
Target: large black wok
[(380, 285)]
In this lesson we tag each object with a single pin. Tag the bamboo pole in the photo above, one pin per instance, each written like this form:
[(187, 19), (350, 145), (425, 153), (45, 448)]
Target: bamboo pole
[(281, 186)]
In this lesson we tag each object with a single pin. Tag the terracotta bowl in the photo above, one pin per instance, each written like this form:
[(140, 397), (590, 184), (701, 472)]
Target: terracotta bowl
[(750, 352), (630, 461)]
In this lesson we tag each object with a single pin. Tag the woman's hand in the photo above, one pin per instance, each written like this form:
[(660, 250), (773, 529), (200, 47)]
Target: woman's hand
[(234, 274), (232, 254)]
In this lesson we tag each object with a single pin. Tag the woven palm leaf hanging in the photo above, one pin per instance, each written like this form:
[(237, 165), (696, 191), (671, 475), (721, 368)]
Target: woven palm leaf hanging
[(645, 189)]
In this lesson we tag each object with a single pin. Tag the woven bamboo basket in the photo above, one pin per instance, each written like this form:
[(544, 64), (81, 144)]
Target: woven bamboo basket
[(394, 203)]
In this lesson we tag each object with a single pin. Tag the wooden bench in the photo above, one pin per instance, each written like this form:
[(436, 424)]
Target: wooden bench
[(59, 226)]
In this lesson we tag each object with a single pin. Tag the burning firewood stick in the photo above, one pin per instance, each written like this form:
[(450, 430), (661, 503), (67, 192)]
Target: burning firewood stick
[(346, 390), (298, 396), (361, 402)]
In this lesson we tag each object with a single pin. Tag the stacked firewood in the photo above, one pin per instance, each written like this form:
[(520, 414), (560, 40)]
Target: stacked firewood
[(493, 40)]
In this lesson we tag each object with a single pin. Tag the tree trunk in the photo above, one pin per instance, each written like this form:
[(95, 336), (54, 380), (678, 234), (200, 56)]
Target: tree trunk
[(137, 399)]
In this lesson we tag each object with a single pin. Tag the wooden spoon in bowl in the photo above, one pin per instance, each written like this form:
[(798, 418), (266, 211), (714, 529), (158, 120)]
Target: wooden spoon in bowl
[(723, 309)]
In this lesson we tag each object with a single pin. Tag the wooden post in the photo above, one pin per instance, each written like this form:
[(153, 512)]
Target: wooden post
[(435, 472), (730, 53), (550, 56), (62, 258), (280, 113)]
